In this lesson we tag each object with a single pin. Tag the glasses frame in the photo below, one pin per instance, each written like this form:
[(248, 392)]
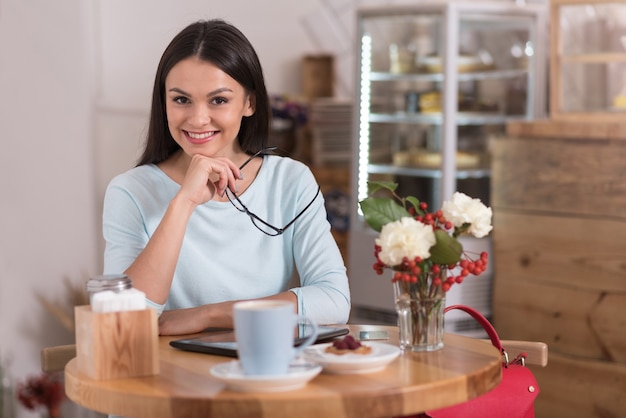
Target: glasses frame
[(252, 215)]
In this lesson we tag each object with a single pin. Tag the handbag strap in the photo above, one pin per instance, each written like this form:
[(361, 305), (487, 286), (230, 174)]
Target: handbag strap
[(484, 322)]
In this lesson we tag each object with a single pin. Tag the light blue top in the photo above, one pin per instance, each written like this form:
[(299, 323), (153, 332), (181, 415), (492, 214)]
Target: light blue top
[(224, 256)]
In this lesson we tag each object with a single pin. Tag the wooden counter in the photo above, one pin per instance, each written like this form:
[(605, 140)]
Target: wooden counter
[(566, 130), (559, 202)]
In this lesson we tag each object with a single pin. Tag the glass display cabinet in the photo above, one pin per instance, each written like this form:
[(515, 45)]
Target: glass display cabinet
[(588, 60), (436, 81)]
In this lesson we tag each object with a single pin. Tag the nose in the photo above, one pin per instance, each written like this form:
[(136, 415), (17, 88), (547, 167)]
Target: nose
[(199, 115)]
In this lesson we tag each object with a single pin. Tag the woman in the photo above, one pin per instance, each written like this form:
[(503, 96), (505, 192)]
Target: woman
[(208, 217)]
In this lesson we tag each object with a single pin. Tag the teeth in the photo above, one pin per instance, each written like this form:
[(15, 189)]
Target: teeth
[(200, 136)]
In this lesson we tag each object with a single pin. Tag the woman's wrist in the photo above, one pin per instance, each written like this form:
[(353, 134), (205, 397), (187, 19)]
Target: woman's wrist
[(180, 204), (219, 315)]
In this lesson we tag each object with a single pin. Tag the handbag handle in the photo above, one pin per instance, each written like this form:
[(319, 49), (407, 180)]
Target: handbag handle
[(491, 331)]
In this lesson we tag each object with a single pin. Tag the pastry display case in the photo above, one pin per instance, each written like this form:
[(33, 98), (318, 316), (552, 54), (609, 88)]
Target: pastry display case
[(588, 60), (437, 80)]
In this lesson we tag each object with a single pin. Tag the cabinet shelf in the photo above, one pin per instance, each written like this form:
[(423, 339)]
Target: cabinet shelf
[(426, 172), (598, 58), (462, 118), (462, 76)]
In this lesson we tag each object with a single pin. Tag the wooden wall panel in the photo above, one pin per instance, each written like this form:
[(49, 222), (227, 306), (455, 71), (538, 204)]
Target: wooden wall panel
[(577, 177), (579, 252), (572, 321)]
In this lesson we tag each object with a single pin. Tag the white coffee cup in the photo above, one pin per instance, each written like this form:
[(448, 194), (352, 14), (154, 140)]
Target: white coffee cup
[(265, 331)]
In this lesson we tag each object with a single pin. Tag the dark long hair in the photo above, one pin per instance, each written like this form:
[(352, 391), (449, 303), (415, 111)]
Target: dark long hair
[(224, 46)]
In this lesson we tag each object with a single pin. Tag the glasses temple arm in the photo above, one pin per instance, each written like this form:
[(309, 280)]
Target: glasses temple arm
[(303, 210), (256, 154)]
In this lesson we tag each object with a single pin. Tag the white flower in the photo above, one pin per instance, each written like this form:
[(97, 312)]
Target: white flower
[(405, 238), (462, 209)]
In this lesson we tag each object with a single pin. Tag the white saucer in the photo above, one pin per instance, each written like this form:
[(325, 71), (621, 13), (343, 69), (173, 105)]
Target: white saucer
[(297, 376), (382, 354)]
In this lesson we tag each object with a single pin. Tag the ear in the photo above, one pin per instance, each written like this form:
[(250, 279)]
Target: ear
[(250, 105)]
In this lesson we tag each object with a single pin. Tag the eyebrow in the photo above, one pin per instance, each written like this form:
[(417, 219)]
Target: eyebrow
[(212, 93)]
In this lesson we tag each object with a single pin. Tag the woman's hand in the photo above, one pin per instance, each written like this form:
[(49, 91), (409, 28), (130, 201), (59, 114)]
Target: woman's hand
[(193, 320), (206, 176)]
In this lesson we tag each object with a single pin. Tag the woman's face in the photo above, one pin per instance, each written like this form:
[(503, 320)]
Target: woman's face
[(204, 107)]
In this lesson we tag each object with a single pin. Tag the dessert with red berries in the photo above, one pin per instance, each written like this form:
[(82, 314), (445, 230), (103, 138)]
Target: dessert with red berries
[(348, 345)]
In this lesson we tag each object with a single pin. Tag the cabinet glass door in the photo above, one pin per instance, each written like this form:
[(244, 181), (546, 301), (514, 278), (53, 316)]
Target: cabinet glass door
[(589, 58), (434, 88)]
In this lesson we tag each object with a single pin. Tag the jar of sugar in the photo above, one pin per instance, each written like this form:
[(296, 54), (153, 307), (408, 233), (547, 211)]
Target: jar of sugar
[(114, 293), (108, 282)]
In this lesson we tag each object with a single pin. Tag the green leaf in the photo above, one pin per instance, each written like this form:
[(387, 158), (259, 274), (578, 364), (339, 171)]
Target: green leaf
[(447, 250), (462, 229), (374, 186), (414, 201), (380, 211)]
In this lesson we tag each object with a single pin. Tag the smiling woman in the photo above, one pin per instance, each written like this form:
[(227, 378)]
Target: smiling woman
[(168, 223)]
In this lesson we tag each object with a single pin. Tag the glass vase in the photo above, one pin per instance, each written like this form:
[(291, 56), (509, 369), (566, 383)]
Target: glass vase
[(420, 315)]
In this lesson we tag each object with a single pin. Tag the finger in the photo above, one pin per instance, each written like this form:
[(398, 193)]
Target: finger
[(232, 183), (226, 179), (233, 174)]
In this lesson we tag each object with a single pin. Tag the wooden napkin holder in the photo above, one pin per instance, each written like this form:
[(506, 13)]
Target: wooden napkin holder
[(116, 345)]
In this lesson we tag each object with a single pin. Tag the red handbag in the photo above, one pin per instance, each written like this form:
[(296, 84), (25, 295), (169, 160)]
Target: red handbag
[(515, 395)]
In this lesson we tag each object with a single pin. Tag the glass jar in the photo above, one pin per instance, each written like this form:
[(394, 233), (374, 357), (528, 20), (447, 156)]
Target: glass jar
[(112, 282)]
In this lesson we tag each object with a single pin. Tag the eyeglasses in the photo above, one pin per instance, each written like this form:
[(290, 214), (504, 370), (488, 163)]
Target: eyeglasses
[(260, 224)]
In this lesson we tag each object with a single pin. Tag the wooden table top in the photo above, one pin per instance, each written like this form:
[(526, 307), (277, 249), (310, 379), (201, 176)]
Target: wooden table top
[(412, 383)]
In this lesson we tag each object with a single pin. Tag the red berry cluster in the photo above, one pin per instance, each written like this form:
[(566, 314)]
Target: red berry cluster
[(43, 391), (410, 270), (346, 343), (436, 219)]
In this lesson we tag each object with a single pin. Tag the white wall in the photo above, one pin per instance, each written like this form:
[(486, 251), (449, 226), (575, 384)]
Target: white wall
[(47, 208)]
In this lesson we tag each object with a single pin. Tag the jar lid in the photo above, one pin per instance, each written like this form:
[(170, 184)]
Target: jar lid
[(114, 282)]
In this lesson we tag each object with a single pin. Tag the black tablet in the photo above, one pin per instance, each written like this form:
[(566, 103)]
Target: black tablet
[(221, 342)]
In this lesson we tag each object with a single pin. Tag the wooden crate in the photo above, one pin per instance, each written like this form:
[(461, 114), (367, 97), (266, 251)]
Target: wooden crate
[(317, 76), (559, 201)]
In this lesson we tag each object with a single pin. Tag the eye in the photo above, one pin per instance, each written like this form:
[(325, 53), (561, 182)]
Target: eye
[(180, 100), (219, 100)]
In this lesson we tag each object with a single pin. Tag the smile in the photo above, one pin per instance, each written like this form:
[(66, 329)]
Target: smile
[(200, 137)]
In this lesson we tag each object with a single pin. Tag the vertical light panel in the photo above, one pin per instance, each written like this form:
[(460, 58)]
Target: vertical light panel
[(364, 112)]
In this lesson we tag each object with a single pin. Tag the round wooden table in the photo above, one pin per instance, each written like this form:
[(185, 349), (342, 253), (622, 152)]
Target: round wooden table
[(412, 383)]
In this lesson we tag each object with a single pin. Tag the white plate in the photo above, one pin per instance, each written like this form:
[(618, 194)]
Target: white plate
[(381, 355), (297, 376)]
